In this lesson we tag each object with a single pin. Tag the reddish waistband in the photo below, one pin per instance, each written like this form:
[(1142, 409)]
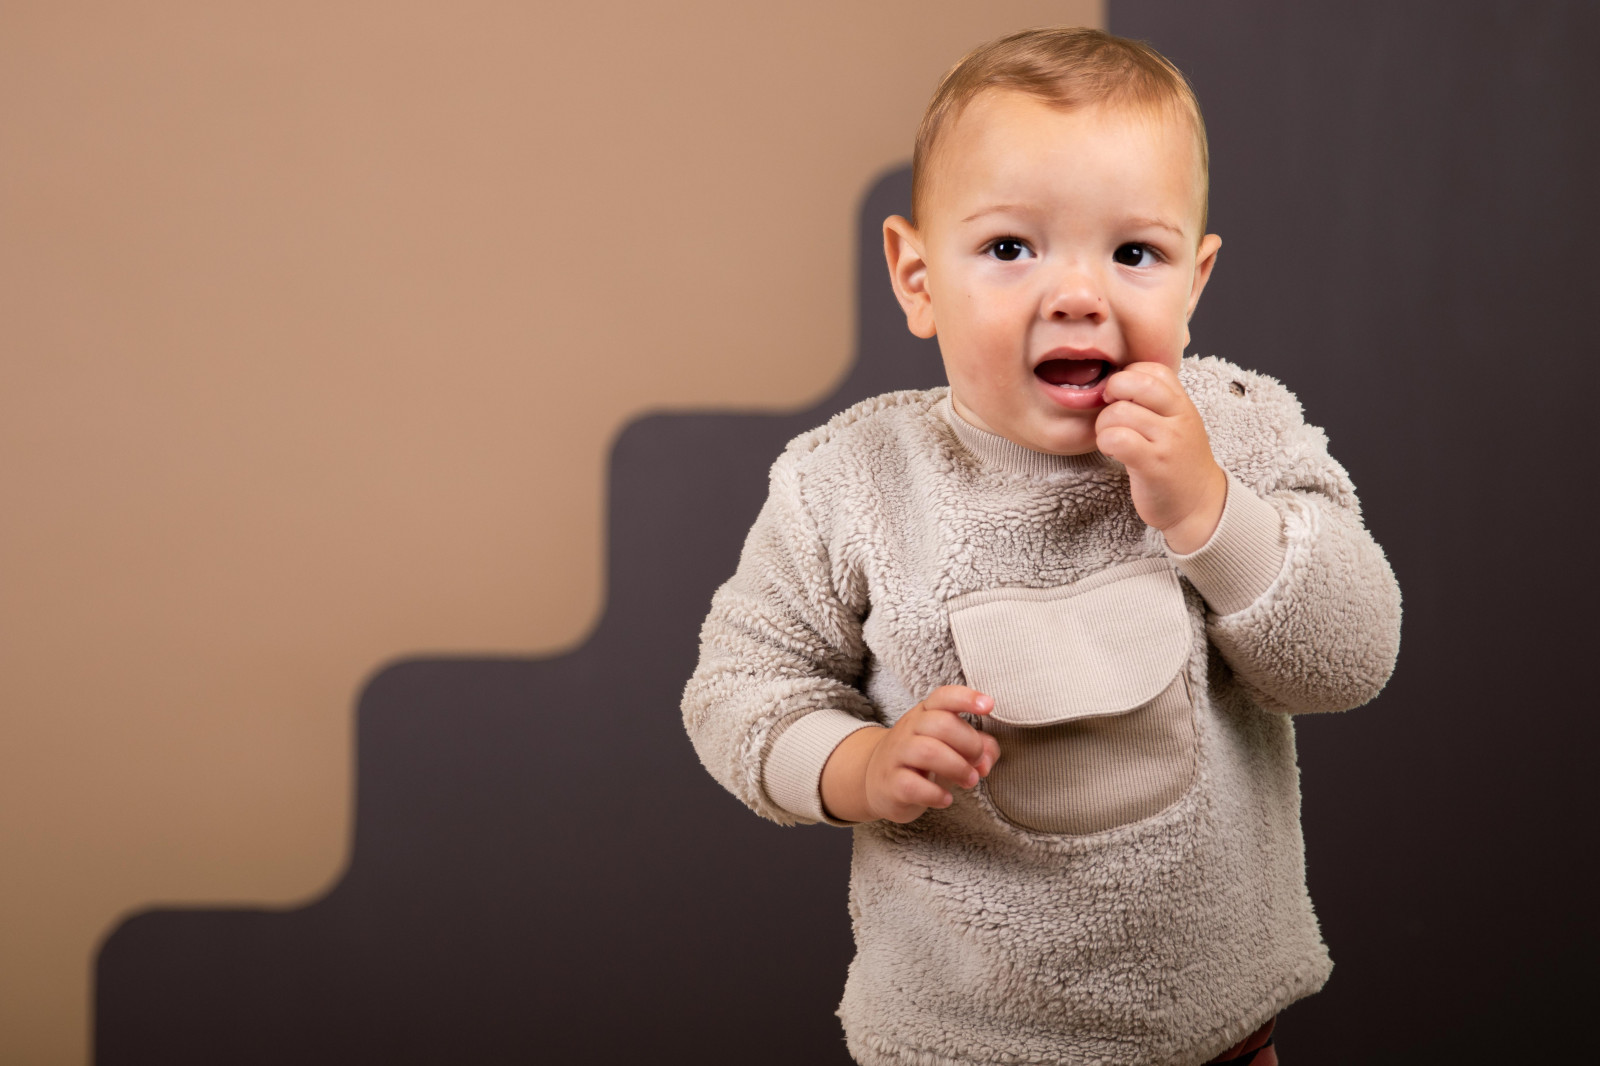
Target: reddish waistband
[(1255, 1049)]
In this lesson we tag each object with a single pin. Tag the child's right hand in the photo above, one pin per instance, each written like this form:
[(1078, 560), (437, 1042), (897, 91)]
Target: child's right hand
[(928, 752)]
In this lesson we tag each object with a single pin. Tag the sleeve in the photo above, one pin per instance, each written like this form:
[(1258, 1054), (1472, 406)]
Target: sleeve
[(1303, 606), (780, 657)]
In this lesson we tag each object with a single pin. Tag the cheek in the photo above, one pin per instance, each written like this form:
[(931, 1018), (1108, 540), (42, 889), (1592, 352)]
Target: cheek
[(1001, 314), (982, 326), (1160, 332), (978, 319)]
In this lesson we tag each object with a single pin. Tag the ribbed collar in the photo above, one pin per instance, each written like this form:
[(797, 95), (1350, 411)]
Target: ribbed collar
[(993, 450)]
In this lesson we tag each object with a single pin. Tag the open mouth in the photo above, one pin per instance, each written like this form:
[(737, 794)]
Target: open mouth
[(1073, 373)]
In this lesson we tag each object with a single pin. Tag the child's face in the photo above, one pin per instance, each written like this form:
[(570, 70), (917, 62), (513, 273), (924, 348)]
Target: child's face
[(1056, 247)]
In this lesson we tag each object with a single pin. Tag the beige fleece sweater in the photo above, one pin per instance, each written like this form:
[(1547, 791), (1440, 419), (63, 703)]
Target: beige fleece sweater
[(1128, 884)]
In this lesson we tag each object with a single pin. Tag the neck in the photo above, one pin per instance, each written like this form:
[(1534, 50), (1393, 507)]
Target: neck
[(996, 452)]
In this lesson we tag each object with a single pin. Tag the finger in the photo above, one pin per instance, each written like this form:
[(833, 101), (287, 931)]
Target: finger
[(1150, 385), (966, 741), (988, 756), (980, 750), (1154, 369), (936, 757), (909, 788), (1142, 420), (1143, 388), (1124, 445), (991, 755), (951, 786), (959, 699)]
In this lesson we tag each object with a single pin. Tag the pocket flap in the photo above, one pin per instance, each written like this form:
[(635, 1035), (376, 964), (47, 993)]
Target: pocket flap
[(1107, 644)]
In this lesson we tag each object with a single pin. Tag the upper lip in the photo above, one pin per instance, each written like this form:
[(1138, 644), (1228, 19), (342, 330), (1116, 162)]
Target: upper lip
[(1073, 353)]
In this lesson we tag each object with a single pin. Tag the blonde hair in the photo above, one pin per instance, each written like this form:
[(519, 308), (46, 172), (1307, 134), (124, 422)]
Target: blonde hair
[(1069, 68)]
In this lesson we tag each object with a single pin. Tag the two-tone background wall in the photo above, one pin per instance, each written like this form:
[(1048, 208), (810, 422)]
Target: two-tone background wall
[(320, 325)]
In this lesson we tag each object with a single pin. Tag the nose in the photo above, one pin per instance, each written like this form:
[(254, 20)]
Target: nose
[(1075, 294)]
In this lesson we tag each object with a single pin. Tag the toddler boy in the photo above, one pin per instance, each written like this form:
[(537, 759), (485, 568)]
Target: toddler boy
[(1037, 636)]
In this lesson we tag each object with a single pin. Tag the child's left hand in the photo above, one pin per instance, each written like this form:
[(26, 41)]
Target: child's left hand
[(1151, 426)]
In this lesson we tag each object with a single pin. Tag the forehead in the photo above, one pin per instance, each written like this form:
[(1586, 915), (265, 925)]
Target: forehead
[(1014, 148)]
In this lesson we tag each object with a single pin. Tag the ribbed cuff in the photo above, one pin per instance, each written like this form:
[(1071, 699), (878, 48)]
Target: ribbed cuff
[(1244, 555), (792, 775)]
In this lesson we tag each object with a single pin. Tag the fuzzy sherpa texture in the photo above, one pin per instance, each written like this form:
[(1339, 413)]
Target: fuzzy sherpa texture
[(1162, 940)]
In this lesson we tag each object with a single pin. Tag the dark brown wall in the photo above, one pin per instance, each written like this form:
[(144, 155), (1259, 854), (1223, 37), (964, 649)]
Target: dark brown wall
[(1406, 194)]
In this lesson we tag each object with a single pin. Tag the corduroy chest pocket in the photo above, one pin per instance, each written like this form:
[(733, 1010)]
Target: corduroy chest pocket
[(1091, 701)]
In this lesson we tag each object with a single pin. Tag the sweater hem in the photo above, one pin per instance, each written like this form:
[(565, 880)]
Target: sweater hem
[(868, 1048)]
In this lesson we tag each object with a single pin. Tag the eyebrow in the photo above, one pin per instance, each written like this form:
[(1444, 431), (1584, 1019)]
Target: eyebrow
[(997, 208), (1158, 223)]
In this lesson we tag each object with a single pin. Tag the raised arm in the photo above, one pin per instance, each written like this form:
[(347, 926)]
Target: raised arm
[(1303, 605), (1253, 510)]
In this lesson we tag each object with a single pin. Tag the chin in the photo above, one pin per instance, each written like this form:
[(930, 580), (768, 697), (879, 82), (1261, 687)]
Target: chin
[(1075, 437), (1087, 449), (1059, 445)]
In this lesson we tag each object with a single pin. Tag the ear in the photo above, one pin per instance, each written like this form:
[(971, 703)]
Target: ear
[(1205, 259), (908, 273)]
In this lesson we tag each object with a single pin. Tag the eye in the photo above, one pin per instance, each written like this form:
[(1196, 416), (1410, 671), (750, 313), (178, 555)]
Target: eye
[(1135, 255), (1009, 249)]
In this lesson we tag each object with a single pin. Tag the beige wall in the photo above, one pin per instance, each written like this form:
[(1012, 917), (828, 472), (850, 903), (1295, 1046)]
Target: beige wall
[(316, 321)]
